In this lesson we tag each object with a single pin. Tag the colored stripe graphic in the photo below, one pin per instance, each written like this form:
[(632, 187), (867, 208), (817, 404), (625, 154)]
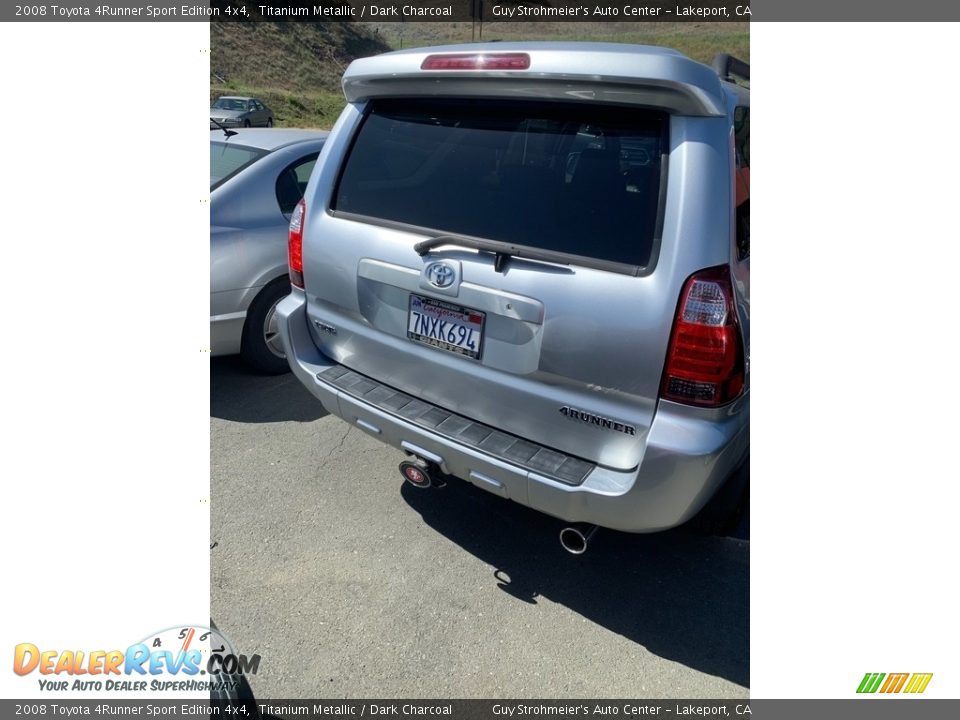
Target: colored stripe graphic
[(186, 642), (870, 682), (894, 682), (918, 682)]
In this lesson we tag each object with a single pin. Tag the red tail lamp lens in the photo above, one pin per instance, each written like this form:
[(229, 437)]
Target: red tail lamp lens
[(705, 360)]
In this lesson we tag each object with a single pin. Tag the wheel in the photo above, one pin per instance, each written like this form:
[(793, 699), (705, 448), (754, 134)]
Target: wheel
[(269, 122), (246, 123), (260, 345)]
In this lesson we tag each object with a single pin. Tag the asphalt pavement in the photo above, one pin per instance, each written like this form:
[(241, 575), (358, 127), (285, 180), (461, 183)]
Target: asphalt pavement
[(352, 584)]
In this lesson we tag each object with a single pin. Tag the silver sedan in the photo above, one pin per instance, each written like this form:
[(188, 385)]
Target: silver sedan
[(257, 177), (232, 111)]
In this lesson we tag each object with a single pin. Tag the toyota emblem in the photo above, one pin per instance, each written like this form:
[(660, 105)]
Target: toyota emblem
[(440, 274)]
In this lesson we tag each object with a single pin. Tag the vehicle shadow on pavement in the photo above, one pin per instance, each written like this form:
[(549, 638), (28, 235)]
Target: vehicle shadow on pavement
[(683, 597), (239, 394)]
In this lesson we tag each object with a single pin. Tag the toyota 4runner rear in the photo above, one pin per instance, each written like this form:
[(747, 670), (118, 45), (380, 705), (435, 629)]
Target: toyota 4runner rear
[(527, 266)]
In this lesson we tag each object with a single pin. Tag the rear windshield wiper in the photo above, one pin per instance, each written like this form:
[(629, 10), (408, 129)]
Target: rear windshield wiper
[(501, 250)]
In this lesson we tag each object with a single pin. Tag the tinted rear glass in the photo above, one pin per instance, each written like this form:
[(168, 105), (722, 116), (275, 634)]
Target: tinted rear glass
[(227, 160), (577, 179)]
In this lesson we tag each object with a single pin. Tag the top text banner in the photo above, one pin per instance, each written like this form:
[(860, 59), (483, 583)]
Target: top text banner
[(387, 11), (484, 11)]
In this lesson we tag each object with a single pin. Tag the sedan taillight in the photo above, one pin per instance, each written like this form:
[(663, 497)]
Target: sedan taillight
[(295, 244)]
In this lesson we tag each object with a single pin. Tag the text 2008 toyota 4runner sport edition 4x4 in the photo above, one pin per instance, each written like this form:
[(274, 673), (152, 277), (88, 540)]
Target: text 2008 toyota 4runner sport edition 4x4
[(527, 266)]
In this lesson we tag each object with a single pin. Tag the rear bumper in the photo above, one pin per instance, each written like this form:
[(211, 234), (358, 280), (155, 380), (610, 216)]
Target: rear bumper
[(686, 459)]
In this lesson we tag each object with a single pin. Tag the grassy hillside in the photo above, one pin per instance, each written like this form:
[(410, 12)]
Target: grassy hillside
[(293, 67), (296, 67)]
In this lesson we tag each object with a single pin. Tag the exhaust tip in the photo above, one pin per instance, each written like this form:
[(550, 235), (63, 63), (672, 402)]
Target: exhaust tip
[(415, 475), (575, 539)]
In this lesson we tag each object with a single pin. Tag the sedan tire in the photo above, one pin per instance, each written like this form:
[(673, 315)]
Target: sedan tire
[(260, 345)]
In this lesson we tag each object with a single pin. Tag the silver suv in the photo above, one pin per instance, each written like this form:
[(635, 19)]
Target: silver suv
[(527, 266)]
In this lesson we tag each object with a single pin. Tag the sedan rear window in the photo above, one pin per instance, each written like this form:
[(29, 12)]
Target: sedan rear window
[(230, 104), (227, 160), (571, 178)]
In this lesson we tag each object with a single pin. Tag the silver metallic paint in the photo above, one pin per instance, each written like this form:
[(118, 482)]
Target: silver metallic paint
[(248, 233), (557, 335)]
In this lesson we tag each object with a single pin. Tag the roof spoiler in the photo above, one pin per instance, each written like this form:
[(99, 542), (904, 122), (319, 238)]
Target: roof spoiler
[(615, 74), (730, 68)]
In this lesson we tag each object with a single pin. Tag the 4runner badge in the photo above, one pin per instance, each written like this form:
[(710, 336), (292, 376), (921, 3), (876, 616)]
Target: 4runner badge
[(591, 419)]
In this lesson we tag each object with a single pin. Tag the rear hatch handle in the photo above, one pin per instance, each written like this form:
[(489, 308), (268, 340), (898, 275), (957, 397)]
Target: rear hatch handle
[(501, 250)]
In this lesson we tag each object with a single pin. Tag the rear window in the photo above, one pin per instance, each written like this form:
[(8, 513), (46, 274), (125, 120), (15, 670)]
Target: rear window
[(229, 104), (571, 178), (227, 160)]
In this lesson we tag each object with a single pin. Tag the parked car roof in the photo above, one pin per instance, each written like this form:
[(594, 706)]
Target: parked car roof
[(271, 138)]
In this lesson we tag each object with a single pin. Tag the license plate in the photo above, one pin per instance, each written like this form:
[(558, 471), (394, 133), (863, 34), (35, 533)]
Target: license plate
[(446, 326)]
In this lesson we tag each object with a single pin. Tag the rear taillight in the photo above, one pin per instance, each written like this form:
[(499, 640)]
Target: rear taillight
[(705, 360), (295, 244), (477, 61)]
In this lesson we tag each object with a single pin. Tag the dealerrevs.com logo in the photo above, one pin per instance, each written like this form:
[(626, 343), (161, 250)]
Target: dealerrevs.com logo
[(910, 683), (183, 658)]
